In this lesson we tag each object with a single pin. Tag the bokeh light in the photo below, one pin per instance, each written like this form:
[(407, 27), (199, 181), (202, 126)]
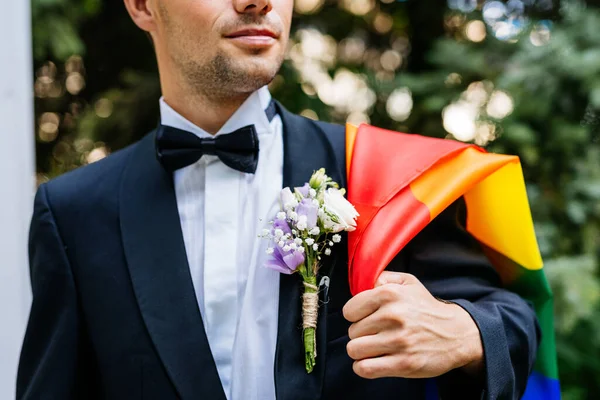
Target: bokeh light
[(308, 6), (475, 31), (400, 104), (500, 105), (48, 126)]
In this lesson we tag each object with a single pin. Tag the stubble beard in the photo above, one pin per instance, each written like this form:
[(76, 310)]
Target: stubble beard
[(222, 78)]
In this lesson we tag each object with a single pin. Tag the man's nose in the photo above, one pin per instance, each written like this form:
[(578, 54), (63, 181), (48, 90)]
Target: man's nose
[(259, 7)]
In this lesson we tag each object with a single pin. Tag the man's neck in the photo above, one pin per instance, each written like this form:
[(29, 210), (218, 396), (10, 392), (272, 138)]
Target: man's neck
[(208, 114)]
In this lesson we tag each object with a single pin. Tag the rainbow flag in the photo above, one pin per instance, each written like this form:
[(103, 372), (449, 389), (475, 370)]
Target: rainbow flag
[(428, 175)]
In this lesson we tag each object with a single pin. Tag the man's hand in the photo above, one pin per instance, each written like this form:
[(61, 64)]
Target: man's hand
[(400, 330)]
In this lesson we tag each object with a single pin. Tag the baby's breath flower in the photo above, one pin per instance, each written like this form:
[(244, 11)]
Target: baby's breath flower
[(281, 215), (310, 241), (270, 250), (302, 223), (315, 247), (327, 252), (336, 238)]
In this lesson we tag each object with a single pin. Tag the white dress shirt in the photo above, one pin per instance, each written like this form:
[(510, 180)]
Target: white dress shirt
[(222, 211)]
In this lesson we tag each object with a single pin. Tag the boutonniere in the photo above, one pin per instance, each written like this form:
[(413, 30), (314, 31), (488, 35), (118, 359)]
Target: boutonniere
[(304, 231)]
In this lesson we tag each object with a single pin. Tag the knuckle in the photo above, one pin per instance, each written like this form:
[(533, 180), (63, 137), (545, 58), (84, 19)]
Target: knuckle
[(398, 340), (388, 292), (392, 315), (406, 365), (410, 277), (346, 312), (352, 350), (352, 332), (410, 364), (363, 370)]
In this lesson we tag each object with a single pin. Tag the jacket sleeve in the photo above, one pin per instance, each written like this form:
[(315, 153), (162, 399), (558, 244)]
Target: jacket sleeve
[(51, 359), (451, 264)]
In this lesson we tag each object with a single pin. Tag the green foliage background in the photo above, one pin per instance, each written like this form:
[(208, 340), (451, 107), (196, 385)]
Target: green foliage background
[(97, 90)]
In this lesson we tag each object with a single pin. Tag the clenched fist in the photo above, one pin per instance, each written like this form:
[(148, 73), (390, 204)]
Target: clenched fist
[(400, 330)]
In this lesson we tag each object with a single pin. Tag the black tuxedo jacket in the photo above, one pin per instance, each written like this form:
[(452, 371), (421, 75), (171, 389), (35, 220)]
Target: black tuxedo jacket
[(114, 312)]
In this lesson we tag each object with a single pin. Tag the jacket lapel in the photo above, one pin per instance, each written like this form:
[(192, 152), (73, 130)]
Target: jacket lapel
[(306, 149), (158, 266)]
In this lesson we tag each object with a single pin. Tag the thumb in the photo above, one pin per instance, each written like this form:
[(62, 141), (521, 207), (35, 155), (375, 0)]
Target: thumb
[(400, 278)]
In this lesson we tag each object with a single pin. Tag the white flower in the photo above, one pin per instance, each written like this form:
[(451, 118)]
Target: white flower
[(314, 231), (300, 249), (288, 200), (312, 193), (327, 252), (293, 246), (278, 233), (302, 223), (298, 241), (336, 238), (281, 216), (281, 243), (265, 232), (339, 214), (270, 250), (315, 247), (310, 241), (316, 203), (330, 243), (286, 248), (292, 215)]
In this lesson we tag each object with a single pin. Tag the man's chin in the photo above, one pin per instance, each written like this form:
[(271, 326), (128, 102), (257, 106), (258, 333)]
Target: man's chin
[(256, 72)]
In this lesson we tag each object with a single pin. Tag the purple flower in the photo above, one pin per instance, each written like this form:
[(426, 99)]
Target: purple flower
[(310, 210), (304, 190), (285, 262), (281, 224)]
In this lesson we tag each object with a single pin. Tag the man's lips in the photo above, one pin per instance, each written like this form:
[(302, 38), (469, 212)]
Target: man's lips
[(253, 38), (257, 33)]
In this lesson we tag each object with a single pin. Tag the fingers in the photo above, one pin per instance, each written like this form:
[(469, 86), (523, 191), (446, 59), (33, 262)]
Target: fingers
[(373, 368), (370, 346), (370, 325), (399, 278), (388, 290), (361, 306), (397, 365)]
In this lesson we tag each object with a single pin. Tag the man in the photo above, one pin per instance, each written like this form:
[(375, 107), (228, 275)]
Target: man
[(147, 272)]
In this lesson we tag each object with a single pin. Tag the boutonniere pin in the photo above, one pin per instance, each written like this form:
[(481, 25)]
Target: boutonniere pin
[(304, 231)]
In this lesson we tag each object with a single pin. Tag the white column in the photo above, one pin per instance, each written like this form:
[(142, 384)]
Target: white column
[(16, 184)]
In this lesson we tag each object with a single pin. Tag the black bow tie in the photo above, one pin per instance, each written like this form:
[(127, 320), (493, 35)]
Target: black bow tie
[(176, 148)]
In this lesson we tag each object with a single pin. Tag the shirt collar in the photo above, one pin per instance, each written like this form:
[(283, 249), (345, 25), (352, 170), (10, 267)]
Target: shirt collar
[(251, 112)]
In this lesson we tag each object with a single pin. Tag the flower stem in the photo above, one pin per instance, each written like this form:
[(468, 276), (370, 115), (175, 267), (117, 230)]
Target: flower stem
[(310, 349), (310, 307)]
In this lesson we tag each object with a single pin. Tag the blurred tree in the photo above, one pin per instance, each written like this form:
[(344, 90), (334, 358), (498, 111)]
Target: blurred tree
[(517, 76)]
